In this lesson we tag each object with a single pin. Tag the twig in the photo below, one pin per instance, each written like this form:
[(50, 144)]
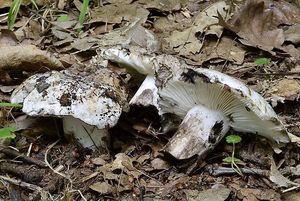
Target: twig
[(229, 171), (22, 184), (48, 164), (14, 154)]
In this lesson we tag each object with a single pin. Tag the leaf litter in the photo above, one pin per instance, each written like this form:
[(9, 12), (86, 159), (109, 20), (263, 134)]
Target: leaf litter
[(224, 36)]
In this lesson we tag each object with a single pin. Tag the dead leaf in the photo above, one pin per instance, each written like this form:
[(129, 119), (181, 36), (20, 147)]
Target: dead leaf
[(103, 187), (28, 58), (117, 13), (286, 89), (218, 194), (257, 24), (277, 178), (249, 194), (224, 49), (165, 5), (186, 42), (159, 164)]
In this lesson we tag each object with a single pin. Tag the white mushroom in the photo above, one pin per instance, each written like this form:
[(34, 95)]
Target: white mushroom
[(134, 58), (84, 99), (156, 68), (210, 103)]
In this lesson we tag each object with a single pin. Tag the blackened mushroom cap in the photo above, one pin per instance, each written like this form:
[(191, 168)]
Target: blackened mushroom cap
[(245, 109), (96, 97)]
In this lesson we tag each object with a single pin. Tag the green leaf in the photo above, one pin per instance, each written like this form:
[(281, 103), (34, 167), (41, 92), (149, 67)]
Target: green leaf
[(83, 11), (12, 14), (228, 160), (261, 61), (63, 18), (7, 132), (233, 139), (2, 104)]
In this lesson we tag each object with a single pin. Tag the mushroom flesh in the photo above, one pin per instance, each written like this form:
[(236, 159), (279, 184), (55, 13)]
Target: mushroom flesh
[(89, 101)]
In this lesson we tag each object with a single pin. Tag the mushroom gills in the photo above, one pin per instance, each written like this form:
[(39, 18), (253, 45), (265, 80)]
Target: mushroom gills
[(86, 135), (200, 131)]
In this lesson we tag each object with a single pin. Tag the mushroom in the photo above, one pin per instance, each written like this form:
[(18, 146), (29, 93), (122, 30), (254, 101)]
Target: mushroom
[(90, 101), (158, 69), (134, 59), (210, 103), (127, 46)]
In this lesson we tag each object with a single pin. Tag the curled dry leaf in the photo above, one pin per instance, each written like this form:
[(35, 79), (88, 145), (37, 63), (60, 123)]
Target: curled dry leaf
[(28, 58), (259, 24), (186, 42), (256, 24), (116, 13)]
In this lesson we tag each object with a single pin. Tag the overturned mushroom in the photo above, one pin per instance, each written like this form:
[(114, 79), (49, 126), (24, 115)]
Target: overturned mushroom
[(210, 103), (134, 58), (158, 69), (84, 99)]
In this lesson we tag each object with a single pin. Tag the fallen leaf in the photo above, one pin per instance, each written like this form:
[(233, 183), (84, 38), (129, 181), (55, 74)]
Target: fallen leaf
[(28, 58), (102, 187), (257, 23), (117, 13), (187, 42), (218, 194)]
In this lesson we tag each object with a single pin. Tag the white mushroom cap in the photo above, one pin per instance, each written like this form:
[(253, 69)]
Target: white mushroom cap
[(95, 97), (245, 109)]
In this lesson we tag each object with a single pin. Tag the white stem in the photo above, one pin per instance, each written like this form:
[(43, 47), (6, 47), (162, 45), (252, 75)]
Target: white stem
[(88, 136), (200, 131), (147, 94)]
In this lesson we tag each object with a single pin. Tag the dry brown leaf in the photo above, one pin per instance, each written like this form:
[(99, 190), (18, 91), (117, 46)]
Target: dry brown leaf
[(256, 23), (249, 194), (103, 187), (286, 89), (117, 13), (218, 194), (28, 58), (225, 49), (186, 42), (165, 5)]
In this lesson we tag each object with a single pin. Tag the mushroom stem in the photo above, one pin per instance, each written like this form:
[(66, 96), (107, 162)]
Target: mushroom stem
[(147, 94), (86, 135), (200, 131)]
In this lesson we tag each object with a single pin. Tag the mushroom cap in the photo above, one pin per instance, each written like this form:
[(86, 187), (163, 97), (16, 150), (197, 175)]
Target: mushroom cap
[(244, 108), (95, 97)]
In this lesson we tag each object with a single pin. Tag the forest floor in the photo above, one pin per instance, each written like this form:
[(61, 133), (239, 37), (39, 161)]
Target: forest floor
[(255, 41)]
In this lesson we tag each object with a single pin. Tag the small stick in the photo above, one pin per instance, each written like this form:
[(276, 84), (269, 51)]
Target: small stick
[(14, 154), (229, 171), (21, 183)]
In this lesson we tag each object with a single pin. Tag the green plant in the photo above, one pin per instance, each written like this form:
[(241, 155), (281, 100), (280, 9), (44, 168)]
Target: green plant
[(7, 132), (63, 18), (233, 139), (2, 104), (261, 61), (13, 12), (82, 14)]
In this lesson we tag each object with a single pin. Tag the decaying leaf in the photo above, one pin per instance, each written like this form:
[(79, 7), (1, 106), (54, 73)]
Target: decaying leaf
[(224, 49), (186, 42), (218, 194), (286, 89), (116, 13), (102, 187), (165, 5), (256, 25), (28, 58), (259, 24), (248, 194)]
